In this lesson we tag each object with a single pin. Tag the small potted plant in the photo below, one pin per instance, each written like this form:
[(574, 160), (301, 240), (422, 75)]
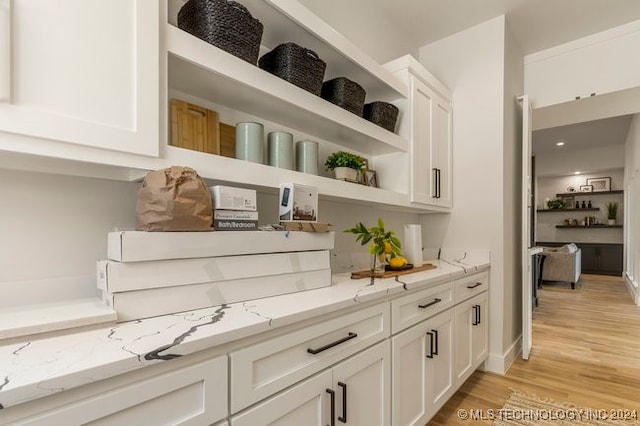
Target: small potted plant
[(555, 204), (384, 246), (345, 165), (612, 213)]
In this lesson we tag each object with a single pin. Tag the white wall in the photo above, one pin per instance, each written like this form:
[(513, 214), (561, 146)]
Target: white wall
[(632, 196), (598, 159), (367, 27), (54, 228), (512, 176), (472, 64)]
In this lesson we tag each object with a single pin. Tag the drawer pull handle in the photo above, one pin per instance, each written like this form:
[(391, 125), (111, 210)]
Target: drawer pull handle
[(332, 393), (343, 418), (474, 286), (476, 315), (330, 345), (425, 306)]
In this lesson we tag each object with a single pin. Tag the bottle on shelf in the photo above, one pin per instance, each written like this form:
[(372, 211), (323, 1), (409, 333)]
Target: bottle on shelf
[(589, 204), (584, 205), (577, 204)]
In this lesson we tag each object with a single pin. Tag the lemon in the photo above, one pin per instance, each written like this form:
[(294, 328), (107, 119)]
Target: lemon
[(397, 262), (387, 247)]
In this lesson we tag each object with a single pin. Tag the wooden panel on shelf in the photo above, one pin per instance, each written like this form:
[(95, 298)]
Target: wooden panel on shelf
[(391, 273), (194, 127), (228, 140)]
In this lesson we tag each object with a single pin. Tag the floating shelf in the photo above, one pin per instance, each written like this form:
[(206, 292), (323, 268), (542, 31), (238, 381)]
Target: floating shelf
[(268, 178), (588, 194), (203, 70), (593, 209), (590, 226)]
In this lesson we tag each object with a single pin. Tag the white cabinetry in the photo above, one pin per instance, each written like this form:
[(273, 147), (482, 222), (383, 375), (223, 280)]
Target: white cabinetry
[(422, 370), (194, 395), (471, 336), (596, 64), (428, 126), (355, 391), (83, 72)]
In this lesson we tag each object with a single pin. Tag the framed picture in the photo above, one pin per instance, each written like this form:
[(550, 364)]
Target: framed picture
[(370, 178), (600, 184), (586, 188)]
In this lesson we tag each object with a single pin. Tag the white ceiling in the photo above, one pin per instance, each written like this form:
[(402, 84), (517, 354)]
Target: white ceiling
[(597, 133), (536, 24)]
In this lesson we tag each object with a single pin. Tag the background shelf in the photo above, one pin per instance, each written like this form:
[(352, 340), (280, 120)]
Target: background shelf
[(590, 226), (588, 194), (593, 209)]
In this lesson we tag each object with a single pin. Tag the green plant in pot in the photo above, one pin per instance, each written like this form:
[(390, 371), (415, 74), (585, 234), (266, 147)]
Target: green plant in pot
[(384, 245), (345, 165), (556, 203), (612, 212)]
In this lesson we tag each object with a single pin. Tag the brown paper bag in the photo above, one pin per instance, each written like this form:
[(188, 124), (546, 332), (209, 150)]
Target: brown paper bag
[(174, 199)]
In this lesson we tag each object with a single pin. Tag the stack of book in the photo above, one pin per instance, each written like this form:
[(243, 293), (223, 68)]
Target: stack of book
[(234, 209), (158, 273)]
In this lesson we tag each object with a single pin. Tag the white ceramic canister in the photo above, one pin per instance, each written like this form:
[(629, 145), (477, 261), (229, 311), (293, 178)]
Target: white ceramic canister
[(281, 150), (250, 142), (307, 157), (412, 244)]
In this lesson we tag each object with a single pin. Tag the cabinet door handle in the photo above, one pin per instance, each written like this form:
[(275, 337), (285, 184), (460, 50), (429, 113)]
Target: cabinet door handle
[(433, 302), (474, 285), (343, 418), (435, 182), (475, 315), (479, 310), (439, 182), (332, 394), (332, 344), (435, 334), (430, 334), (6, 41)]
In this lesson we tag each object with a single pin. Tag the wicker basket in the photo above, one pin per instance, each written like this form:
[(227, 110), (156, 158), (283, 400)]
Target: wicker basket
[(296, 65), (225, 24), (345, 93), (382, 113)]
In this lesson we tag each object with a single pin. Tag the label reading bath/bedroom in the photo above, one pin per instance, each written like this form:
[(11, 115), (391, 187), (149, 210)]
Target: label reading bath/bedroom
[(235, 225)]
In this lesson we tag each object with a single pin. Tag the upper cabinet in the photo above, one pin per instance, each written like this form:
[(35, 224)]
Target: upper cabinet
[(82, 72), (428, 126), (594, 65)]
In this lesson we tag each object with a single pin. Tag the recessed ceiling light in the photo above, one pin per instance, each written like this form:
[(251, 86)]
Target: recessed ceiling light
[(559, 143), (576, 173)]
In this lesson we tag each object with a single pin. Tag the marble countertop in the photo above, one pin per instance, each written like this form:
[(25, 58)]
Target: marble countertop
[(37, 368)]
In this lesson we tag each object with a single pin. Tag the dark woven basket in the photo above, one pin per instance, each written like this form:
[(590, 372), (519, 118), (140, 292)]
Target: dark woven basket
[(382, 113), (345, 93), (225, 24), (296, 65)]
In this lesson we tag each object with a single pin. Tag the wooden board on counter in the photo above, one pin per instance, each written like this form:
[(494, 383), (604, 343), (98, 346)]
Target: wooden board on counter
[(367, 274)]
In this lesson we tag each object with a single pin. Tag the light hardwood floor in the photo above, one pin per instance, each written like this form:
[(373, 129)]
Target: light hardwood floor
[(586, 350)]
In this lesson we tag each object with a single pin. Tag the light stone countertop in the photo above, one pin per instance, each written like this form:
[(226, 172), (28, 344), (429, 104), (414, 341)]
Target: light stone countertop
[(37, 368)]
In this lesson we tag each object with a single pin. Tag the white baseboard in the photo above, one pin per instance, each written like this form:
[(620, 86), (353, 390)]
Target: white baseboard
[(633, 290), (500, 364)]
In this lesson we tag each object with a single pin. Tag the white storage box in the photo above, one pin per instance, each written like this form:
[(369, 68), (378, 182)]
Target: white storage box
[(230, 198), (137, 246), (298, 202), (133, 305), (117, 277)]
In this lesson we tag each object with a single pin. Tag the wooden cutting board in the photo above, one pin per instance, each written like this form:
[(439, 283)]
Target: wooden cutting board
[(367, 274), (194, 127), (227, 140)]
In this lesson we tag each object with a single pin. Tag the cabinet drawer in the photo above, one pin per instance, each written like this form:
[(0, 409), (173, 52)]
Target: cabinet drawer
[(262, 369), (467, 287), (192, 395), (413, 308)]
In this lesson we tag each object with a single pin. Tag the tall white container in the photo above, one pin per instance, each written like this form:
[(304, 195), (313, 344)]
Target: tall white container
[(412, 244)]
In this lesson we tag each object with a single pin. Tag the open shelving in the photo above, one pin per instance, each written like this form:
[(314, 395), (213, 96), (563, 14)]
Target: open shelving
[(592, 209), (589, 226), (589, 194), (202, 71)]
